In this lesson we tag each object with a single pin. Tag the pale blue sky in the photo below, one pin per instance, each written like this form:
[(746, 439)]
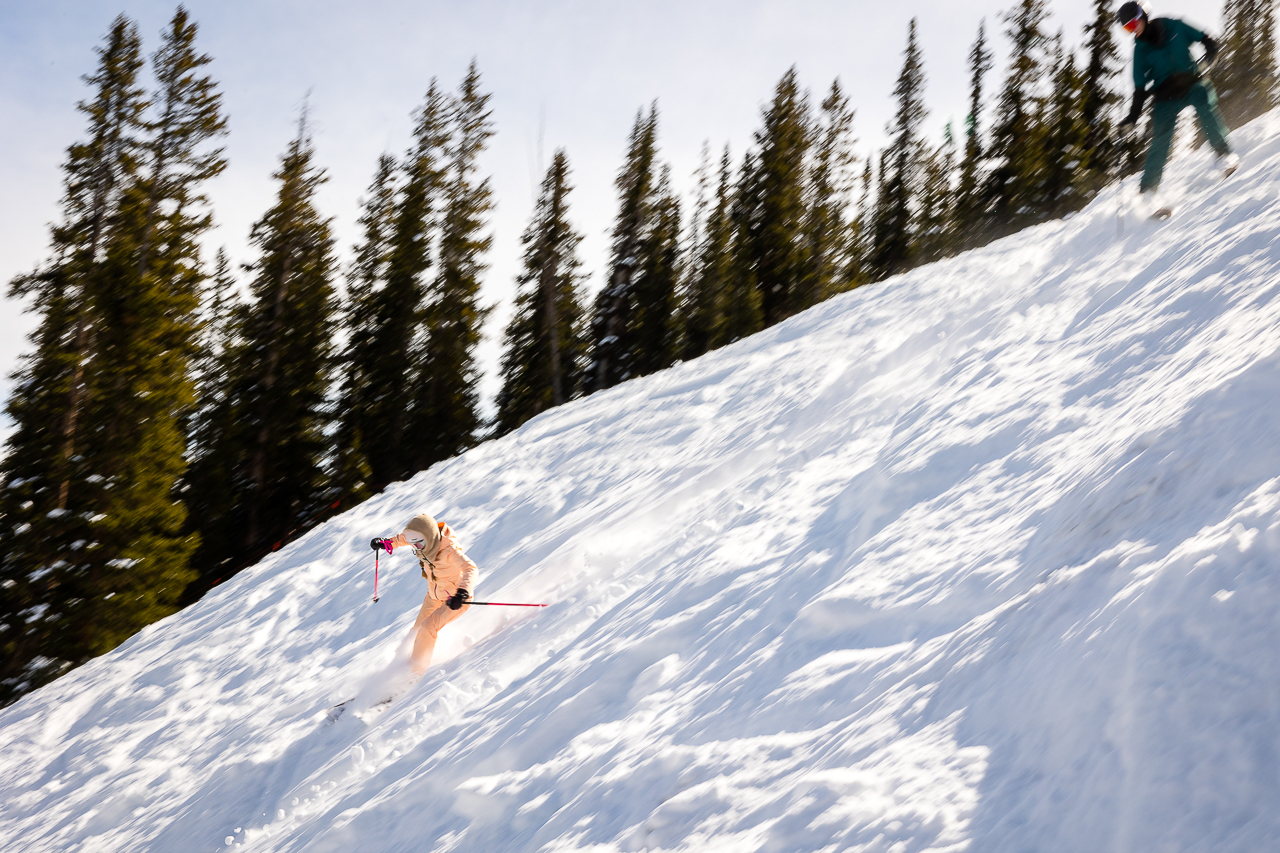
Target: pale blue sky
[(570, 72)]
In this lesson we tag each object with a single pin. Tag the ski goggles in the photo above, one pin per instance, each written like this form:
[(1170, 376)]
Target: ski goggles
[(1132, 26)]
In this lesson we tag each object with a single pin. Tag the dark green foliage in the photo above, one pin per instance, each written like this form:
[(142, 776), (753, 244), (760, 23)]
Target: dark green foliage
[(743, 314), (860, 230), (409, 396), (92, 531), (1099, 98), (1017, 140), (971, 213), (652, 337), (900, 164), (445, 404), (545, 351), (179, 163), (709, 273), (1245, 73), (829, 246), (365, 315), (35, 531), (1063, 180), (219, 303), (633, 326), (206, 490), (776, 246), (935, 232), (265, 467), (388, 293)]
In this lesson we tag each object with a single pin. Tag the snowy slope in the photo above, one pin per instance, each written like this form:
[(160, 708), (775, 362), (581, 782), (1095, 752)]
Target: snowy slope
[(981, 558)]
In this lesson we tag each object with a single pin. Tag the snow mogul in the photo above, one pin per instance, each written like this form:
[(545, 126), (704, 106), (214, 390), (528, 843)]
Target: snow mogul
[(451, 579), (1165, 71)]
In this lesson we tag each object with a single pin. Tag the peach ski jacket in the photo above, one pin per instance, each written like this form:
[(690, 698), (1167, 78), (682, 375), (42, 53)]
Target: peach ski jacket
[(451, 569)]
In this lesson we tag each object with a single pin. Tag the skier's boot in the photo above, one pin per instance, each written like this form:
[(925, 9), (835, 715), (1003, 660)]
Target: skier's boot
[(1229, 163)]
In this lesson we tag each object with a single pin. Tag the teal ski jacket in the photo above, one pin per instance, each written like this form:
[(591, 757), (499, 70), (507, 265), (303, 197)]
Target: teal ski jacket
[(1163, 53)]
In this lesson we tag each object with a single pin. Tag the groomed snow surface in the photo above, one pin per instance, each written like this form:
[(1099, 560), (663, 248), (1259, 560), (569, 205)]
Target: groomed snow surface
[(980, 558)]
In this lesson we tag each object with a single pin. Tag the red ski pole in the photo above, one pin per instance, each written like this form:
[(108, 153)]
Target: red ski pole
[(378, 546), (504, 604)]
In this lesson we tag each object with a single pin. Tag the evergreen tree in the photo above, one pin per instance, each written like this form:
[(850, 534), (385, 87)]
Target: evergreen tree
[(776, 247), (612, 360), (35, 534), (1098, 98), (935, 237), (267, 466), (203, 485), (652, 336), (92, 528), (353, 476), (743, 313), (219, 303), (387, 317), (445, 407), (1063, 184), (545, 352), (698, 308), (710, 268), (1245, 76), (180, 162), (827, 228), (1017, 140), (861, 231), (895, 237), (970, 208)]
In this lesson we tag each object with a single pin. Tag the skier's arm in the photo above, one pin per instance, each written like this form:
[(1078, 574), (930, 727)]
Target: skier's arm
[(1140, 70), (469, 571), (1193, 35), (1210, 51), (466, 580), (1135, 111)]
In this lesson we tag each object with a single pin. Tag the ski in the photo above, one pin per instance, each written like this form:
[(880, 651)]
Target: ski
[(335, 713)]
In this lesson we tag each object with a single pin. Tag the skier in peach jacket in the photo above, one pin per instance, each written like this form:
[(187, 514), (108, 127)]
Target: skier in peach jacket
[(451, 579)]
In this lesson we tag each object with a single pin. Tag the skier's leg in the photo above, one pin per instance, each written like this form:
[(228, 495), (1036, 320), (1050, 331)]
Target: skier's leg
[(1164, 117), (433, 616), (1205, 99)]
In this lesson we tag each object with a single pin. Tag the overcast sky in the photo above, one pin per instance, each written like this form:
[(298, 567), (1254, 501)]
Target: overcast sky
[(562, 73)]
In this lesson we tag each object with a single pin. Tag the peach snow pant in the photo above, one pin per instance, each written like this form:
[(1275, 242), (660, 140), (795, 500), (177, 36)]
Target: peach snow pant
[(433, 616)]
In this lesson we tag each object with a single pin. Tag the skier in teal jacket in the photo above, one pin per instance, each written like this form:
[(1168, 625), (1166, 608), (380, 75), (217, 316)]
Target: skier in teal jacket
[(1165, 71)]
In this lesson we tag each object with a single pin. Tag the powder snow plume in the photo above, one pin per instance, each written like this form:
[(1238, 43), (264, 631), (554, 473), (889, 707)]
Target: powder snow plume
[(983, 557)]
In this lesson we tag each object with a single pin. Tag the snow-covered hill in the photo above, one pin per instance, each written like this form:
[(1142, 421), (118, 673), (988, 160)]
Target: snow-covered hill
[(981, 558)]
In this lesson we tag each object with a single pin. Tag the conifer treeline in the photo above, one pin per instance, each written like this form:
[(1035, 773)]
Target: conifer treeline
[(94, 543), (173, 423)]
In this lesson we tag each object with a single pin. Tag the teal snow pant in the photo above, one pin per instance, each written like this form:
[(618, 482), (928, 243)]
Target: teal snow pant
[(1164, 117)]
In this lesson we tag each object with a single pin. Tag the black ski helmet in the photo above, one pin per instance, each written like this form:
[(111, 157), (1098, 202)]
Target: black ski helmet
[(1128, 11)]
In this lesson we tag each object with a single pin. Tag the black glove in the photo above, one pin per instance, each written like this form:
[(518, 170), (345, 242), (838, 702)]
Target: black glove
[(1139, 100), (458, 599), (1210, 52), (381, 545)]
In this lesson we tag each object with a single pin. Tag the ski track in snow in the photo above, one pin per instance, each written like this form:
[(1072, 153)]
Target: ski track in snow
[(982, 557)]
